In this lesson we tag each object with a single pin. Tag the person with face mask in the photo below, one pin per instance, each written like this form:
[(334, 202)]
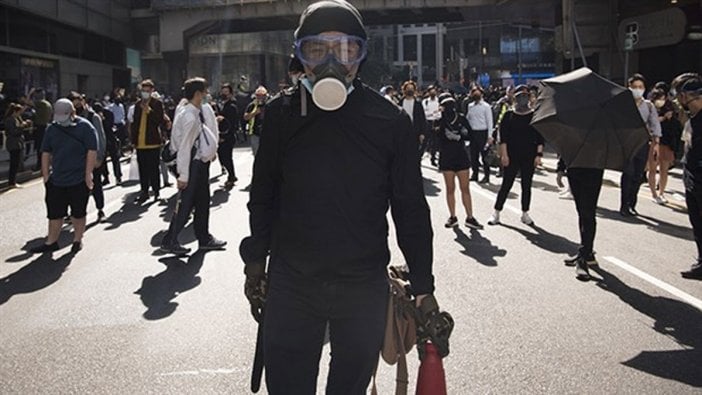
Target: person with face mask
[(255, 115), (146, 135), (479, 117), (687, 89), (230, 112), (432, 113), (42, 118), (454, 162), (670, 135), (521, 150), (646, 156), (334, 156), (14, 144), (69, 154), (413, 107)]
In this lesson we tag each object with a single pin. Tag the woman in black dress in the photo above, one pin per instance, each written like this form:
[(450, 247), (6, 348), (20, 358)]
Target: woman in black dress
[(454, 162)]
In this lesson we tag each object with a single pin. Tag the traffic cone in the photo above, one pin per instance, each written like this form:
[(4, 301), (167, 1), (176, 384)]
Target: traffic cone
[(431, 379)]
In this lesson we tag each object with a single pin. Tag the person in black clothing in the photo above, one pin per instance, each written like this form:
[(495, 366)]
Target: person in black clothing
[(227, 138), (454, 162), (113, 150), (688, 91), (322, 184), (413, 107), (521, 150)]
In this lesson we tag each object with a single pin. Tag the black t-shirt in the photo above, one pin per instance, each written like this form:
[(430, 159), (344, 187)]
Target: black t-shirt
[(693, 158), (521, 138)]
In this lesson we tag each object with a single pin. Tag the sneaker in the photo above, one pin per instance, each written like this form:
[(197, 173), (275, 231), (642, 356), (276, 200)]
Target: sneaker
[(119, 181), (590, 260), (76, 247), (106, 181), (484, 180), (473, 223), (660, 200), (559, 179), (474, 177), (213, 244), (494, 218), (581, 272), (101, 216), (142, 198), (175, 249), (452, 221), (695, 273), (526, 219), (45, 248)]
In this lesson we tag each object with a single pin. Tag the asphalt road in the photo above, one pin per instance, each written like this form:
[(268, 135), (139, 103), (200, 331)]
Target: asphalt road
[(118, 318)]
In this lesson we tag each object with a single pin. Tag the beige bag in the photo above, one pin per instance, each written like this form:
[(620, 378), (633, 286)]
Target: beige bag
[(400, 329)]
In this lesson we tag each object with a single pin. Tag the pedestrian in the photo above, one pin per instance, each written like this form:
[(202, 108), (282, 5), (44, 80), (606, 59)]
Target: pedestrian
[(14, 143), (646, 156), (414, 109), (521, 150), (255, 116), (389, 93), (117, 107), (42, 117), (322, 184), (479, 117), (432, 113), (454, 161), (687, 89), (670, 135), (113, 144), (194, 138), (69, 153), (146, 135), (227, 138), (82, 110)]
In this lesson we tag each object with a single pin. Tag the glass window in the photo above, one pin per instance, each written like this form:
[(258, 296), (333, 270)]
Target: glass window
[(409, 44), (429, 50)]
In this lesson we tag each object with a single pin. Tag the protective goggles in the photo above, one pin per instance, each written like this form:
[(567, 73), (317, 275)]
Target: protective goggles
[(347, 50)]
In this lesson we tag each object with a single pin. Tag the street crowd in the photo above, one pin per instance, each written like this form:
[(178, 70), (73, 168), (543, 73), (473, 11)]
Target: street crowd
[(363, 141)]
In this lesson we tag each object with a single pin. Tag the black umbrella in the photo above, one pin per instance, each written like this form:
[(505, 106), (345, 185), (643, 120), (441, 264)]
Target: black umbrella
[(591, 121)]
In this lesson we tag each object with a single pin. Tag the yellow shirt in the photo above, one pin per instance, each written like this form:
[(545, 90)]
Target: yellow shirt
[(141, 144)]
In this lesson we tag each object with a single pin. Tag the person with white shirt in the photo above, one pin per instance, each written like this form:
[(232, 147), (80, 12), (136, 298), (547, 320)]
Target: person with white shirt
[(479, 115), (432, 113), (194, 139)]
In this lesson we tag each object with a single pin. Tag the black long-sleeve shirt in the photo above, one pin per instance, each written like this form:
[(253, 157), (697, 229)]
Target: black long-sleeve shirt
[(521, 138), (322, 186)]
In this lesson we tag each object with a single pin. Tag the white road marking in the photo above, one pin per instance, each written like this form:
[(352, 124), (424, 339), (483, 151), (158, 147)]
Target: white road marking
[(198, 372), (685, 297)]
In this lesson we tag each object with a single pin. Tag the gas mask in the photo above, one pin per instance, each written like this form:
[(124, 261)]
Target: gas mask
[(330, 57), (521, 102)]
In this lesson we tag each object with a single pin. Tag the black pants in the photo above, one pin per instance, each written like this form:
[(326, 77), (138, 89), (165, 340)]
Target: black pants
[(631, 179), (298, 310), (526, 168), (225, 154), (196, 195), (585, 185), (693, 199), (97, 192), (478, 139), (114, 153), (15, 159), (149, 161), (122, 134)]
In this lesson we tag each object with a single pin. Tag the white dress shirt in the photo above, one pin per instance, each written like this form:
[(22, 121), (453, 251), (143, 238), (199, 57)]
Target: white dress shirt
[(187, 127), (408, 106), (480, 116)]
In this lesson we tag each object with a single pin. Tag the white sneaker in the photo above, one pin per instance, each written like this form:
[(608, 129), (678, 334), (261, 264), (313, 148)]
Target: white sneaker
[(565, 194), (526, 219), (494, 218), (660, 200)]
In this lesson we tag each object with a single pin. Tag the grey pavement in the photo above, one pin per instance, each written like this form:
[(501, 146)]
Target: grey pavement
[(118, 318)]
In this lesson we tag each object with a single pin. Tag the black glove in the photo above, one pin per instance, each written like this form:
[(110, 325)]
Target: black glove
[(255, 288), (433, 326)]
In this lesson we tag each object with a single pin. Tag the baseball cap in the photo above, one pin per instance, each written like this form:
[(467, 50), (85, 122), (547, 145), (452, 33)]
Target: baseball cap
[(63, 109)]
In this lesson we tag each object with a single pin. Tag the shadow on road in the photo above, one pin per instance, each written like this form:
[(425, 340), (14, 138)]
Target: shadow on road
[(157, 292), (219, 198), (478, 247), (430, 188), (129, 212), (677, 320), (655, 224), (65, 238), (36, 275), (495, 188), (546, 240)]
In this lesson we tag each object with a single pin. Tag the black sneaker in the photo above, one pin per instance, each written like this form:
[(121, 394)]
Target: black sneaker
[(119, 181), (581, 272), (474, 177), (101, 216), (693, 274), (590, 260), (76, 247), (213, 244), (175, 249), (45, 248), (106, 181), (142, 198), (484, 180), (452, 221), (473, 223)]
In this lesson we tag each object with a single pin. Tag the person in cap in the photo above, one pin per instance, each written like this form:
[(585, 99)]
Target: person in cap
[(334, 156), (454, 162), (687, 89), (69, 154)]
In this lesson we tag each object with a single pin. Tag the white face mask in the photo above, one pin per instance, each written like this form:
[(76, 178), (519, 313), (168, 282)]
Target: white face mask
[(638, 93), (145, 95), (659, 103)]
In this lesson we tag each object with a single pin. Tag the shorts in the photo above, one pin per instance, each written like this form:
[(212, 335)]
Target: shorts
[(665, 154), (59, 199)]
